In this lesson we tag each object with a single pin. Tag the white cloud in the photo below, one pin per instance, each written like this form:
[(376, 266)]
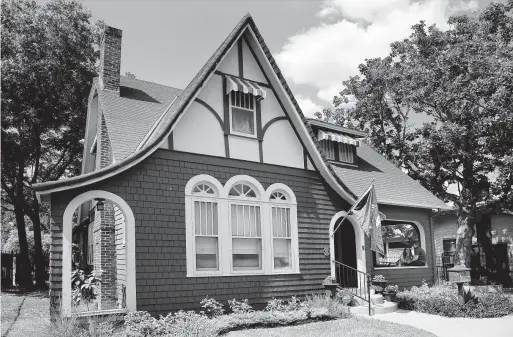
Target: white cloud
[(325, 55), (308, 107)]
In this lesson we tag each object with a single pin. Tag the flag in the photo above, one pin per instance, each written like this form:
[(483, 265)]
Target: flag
[(367, 214)]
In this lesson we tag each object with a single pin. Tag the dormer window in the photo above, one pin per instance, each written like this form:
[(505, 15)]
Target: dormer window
[(244, 96), (338, 147)]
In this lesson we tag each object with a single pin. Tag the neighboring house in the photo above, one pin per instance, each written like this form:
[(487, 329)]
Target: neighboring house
[(499, 231), (223, 189)]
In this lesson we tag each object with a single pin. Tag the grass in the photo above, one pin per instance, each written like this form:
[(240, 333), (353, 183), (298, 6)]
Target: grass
[(350, 327)]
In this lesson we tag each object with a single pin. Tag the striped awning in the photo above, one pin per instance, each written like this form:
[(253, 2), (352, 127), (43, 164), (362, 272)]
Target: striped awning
[(245, 86), (337, 137)]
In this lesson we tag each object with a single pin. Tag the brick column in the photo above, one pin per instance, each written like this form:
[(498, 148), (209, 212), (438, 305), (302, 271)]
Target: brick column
[(105, 256)]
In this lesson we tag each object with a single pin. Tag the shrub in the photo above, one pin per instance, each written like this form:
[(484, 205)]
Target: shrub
[(322, 305), (443, 300), (275, 304), (240, 307), (212, 307), (143, 324)]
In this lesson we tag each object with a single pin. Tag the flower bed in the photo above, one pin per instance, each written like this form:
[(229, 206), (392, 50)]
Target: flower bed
[(443, 300), (212, 322)]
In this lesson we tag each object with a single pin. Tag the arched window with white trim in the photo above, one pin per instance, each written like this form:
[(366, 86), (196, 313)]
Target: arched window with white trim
[(240, 228), (246, 227), (203, 234), (283, 214)]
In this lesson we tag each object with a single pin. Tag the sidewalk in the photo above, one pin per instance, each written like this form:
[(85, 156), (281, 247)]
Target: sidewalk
[(24, 315), (451, 326)]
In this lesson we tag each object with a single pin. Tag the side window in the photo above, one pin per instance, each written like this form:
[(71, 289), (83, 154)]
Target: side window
[(281, 230), (242, 114), (404, 245), (206, 227), (328, 147)]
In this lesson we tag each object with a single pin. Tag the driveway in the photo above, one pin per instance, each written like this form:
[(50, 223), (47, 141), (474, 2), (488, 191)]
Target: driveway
[(451, 326)]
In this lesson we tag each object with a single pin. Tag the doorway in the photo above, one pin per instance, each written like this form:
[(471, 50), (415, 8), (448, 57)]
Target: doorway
[(345, 253)]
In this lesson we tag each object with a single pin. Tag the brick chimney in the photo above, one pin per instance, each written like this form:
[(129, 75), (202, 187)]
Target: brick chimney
[(110, 58)]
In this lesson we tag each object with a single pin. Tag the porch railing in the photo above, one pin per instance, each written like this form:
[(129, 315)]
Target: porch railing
[(357, 282)]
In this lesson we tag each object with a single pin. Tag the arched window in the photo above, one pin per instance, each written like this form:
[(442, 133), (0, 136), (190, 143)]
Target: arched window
[(240, 228), (283, 211), (246, 227)]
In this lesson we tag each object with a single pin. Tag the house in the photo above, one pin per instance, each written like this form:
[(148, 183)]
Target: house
[(222, 189), (492, 245)]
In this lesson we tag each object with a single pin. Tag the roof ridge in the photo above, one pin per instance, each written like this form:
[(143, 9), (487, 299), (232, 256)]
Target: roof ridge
[(163, 85)]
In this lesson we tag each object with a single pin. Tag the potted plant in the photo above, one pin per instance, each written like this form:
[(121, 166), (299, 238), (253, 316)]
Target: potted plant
[(380, 282), (330, 283), (390, 291)]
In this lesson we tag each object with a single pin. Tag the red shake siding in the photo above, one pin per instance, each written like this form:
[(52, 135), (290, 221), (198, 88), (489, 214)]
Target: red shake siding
[(154, 189)]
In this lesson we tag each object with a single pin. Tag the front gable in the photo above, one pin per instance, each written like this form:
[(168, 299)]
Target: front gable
[(207, 125)]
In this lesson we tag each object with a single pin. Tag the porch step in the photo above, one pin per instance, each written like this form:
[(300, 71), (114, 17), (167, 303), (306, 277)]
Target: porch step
[(376, 309)]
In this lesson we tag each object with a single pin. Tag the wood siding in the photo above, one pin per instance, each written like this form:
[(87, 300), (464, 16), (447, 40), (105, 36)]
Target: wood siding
[(154, 189)]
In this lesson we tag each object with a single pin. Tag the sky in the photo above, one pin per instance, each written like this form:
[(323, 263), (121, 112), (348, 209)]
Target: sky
[(317, 44)]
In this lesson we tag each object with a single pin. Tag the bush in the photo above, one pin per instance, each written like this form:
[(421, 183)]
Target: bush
[(240, 307), (277, 313), (443, 300), (212, 307)]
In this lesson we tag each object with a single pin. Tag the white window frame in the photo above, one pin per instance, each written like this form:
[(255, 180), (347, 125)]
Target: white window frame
[(224, 225), (90, 244), (231, 106), (291, 204)]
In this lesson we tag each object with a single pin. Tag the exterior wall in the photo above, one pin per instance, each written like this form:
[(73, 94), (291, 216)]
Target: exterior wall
[(119, 227), (205, 129), (445, 227), (154, 189), (403, 276)]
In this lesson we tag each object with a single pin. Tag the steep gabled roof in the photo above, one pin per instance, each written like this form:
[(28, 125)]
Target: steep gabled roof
[(168, 119), (159, 110), (130, 113)]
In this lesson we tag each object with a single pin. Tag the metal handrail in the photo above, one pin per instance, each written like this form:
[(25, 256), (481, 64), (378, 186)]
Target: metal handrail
[(362, 278)]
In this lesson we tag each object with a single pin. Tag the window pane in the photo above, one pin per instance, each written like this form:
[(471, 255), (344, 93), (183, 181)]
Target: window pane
[(281, 222), (282, 253), (210, 222), (245, 220), (207, 253), (197, 217), (247, 254), (243, 121), (215, 217)]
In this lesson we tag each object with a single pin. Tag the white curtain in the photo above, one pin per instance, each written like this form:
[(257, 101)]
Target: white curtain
[(282, 242), (243, 121)]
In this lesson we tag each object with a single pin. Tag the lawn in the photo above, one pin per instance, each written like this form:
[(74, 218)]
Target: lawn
[(356, 326)]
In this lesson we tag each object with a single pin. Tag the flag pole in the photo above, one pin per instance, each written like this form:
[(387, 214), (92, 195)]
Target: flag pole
[(352, 207)]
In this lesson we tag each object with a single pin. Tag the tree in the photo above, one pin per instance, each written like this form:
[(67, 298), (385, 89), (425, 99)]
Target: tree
[(48, 63), (380, 108), (463, 79)]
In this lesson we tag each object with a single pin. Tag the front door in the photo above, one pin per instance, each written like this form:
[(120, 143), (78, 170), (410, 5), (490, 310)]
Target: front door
[(345, 253)]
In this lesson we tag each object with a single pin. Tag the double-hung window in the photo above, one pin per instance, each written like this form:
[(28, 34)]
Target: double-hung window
[(90, 243), (240, 228), (245, 222), (242, 114), (205, 221), (281, 231)]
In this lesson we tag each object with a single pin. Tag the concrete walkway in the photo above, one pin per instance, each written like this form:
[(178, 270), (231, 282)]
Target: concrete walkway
[(24, 315), (452, 326)]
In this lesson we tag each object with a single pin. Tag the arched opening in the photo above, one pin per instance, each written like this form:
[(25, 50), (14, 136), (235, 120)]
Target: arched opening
[(98, 255), (348, 242), (345, 252)]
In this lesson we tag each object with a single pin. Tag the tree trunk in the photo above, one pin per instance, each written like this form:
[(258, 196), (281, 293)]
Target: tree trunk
[(464, 234), (25, 274), (39, 259)]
